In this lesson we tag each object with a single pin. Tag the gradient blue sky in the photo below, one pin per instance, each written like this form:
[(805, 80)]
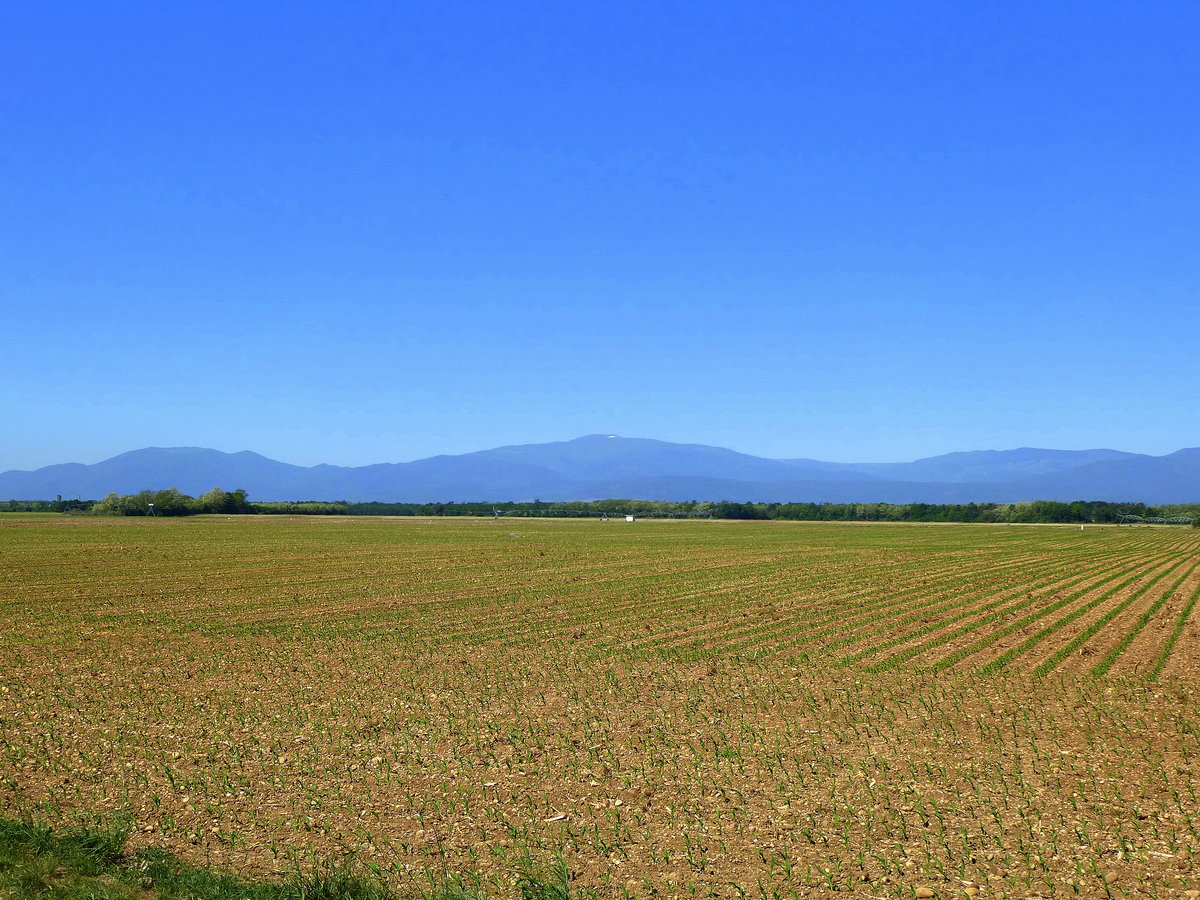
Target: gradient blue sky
[(364, 232)]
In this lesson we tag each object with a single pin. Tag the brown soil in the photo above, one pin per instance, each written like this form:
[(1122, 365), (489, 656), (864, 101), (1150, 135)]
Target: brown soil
[(424, 703)]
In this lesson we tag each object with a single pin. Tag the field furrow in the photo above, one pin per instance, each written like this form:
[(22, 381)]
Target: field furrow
[(943, 645), (672, 709), (1127, 633), (1046, 627)]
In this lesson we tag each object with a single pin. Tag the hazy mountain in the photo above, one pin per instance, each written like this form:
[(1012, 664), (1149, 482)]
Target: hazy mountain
[(991, 466), (599, 466), (1174, 478), (602, 457), (836, 490), (192, 469)]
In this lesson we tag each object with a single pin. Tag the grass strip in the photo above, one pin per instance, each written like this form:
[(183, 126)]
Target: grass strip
[(39, 863)]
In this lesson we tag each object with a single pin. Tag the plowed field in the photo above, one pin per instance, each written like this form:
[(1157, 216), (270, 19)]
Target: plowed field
[(674, 708)]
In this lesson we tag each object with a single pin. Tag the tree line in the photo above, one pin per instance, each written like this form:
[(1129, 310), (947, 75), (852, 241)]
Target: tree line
[(168, 502), (1036, 511), (173, 502)]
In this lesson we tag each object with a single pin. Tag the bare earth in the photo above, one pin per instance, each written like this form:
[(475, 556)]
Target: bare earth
[(677, 708)]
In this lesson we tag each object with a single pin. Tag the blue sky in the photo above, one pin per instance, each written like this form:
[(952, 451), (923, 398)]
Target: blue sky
[(363, 232)]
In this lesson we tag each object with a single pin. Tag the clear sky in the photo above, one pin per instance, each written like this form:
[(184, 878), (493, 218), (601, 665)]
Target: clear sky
[(364, 232)]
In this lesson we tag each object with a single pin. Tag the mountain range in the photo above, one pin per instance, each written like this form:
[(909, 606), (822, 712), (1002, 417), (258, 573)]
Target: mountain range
[(606, 466)]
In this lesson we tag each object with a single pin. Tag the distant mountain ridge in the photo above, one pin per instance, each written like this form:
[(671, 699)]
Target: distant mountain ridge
[(602, 466)]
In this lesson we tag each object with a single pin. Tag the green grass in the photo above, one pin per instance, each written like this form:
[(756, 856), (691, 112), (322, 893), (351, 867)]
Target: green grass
[(75, 863), (544, 883), (91, 864)]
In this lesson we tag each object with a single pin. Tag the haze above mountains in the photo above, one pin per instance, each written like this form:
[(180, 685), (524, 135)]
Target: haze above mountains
[(605, 466)]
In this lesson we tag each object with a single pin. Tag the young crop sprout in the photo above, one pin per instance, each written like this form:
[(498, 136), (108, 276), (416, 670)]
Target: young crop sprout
[(708, 709)]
